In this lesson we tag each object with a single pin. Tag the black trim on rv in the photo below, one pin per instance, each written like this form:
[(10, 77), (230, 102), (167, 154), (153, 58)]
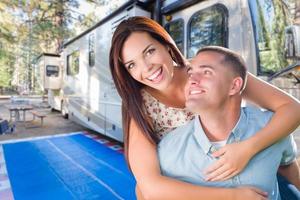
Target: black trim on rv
[(157, 11), (178, 5)]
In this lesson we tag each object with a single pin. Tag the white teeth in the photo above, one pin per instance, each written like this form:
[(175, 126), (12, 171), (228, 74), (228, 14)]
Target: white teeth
[(196, 92), (153, 76)]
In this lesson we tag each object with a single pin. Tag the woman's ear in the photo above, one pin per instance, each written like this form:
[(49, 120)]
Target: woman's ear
[(236, 86)]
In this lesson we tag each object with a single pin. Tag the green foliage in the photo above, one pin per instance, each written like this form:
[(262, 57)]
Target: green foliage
[(273, 18), (31, 27), (5, 70)]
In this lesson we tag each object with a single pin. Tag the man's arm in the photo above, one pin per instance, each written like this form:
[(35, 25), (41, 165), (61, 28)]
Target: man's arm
[(291, 172)]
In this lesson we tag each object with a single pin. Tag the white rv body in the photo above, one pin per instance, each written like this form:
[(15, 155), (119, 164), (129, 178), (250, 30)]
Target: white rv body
[(88, 94), (50, 70)]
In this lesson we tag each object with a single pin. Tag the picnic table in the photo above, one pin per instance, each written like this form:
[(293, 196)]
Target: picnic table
[(15, 109)]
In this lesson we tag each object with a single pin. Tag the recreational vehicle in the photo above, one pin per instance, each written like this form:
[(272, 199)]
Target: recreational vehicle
[(48, 72), (261, 31)]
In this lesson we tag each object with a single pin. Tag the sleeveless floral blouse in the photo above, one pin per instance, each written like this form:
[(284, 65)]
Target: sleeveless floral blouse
[(165, 118)]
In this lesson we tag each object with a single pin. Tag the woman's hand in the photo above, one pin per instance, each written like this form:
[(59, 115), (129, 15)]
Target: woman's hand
[(251, 193), (232, 160)]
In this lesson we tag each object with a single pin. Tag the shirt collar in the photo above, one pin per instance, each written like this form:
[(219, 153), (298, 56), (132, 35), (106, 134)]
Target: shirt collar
[(200, 136), (240, 127), (236, 132)]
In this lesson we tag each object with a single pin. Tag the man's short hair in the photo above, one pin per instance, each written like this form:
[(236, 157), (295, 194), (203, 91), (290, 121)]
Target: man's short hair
[(231, 59)]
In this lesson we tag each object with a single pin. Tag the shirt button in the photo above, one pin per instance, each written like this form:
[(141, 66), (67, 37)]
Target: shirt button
[(235, 180), (213, 149)]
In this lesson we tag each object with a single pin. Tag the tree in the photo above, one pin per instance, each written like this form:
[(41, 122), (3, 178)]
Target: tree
[(297, 13), (28, 28), (7, 31), (31, 27)]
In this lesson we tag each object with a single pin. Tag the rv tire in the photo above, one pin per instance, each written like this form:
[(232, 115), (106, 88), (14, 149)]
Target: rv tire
[(63, 111)]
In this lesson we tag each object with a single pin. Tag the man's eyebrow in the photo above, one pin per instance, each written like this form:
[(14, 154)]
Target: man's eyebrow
[(205, 66), (147, 47)]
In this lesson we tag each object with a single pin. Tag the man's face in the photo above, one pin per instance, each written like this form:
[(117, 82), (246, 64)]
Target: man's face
[(209, 82)]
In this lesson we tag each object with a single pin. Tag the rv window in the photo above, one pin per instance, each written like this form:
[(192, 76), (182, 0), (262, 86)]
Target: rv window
[(175, 29), (207, 27), (73, 63), (52, 70), (91, 50), (269, 20)]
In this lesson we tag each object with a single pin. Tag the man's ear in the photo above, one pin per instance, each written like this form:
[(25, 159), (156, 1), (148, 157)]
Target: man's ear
[(236, 86)]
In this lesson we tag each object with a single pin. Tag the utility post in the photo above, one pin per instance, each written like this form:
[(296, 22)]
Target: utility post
[(29, 21), (29, 55)]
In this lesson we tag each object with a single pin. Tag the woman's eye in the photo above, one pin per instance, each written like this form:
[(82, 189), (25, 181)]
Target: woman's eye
[(150, 52), (130, 66)]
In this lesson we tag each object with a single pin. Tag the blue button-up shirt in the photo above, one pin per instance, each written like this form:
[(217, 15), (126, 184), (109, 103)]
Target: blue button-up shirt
[(185, 153)]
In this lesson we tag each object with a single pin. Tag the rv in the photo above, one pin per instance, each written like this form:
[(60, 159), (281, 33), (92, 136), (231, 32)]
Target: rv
[(48, 72), (261, 31)]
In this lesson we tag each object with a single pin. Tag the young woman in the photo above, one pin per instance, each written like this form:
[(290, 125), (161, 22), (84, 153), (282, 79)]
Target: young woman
[(150, 74)]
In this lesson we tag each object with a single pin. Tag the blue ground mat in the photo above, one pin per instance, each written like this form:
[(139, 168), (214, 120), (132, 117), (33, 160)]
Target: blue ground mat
[(67, 167)]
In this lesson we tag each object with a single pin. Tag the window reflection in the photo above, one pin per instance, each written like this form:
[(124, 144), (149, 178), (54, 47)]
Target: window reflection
[(175, 29), (73, 63), (207, 27), (52, 70), (270, 19)]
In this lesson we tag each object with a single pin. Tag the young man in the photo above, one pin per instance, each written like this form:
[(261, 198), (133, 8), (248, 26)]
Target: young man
[(216, 80)]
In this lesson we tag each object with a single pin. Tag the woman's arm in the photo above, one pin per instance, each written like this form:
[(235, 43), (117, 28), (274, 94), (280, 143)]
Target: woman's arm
[(286, 110), (153, 186), (286, 118)]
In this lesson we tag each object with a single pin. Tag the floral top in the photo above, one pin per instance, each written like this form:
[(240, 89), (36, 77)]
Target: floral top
[(165, 118)]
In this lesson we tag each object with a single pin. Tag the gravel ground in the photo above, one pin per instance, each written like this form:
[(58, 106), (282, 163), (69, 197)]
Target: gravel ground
[(54, 123)]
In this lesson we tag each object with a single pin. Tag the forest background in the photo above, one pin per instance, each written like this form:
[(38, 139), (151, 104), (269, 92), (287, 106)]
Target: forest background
[(31, 27)]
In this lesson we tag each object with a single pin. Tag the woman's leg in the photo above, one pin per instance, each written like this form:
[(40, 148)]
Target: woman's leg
[(287, 190)]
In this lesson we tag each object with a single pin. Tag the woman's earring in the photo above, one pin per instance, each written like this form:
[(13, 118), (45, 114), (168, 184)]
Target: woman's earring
[(171, 53)]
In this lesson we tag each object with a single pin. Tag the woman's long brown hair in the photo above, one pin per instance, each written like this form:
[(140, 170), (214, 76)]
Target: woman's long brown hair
[(130, 89)]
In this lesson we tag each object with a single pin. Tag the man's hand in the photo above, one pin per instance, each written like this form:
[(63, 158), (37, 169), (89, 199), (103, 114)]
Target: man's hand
[(232, 160)]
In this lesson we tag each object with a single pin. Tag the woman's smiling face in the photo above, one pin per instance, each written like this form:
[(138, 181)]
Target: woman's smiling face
[(147, 60)]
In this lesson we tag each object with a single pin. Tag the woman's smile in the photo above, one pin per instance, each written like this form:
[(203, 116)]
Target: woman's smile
[(156, 76)]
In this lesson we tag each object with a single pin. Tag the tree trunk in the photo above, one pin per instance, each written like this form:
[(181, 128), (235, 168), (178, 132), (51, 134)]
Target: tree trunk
[(59, 20), (297, 13)]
